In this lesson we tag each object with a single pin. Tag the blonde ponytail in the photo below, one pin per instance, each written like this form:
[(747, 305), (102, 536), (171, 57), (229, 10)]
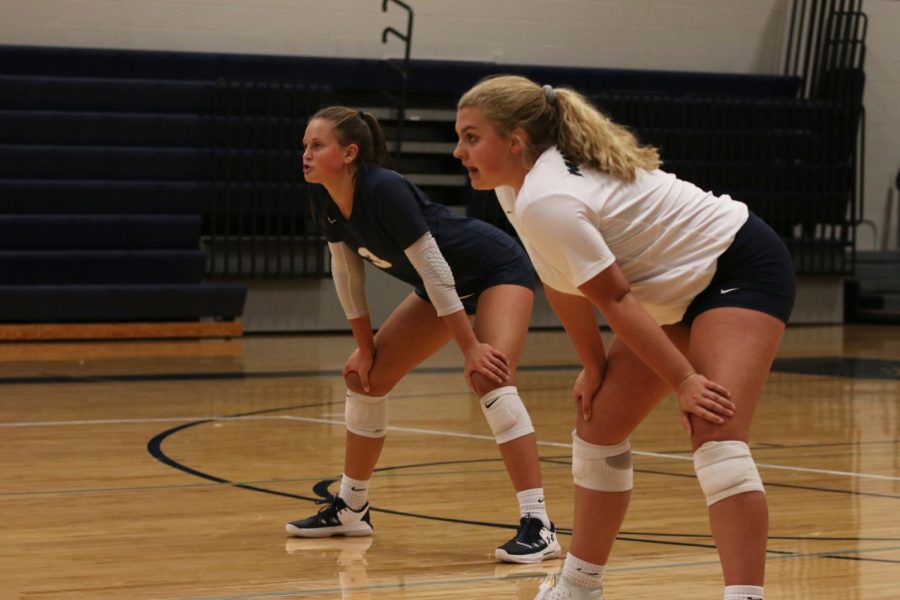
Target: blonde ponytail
[(563, 118)]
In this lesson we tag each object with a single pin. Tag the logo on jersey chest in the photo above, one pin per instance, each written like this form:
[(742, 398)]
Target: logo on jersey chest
[(378, 262), (572, 167)]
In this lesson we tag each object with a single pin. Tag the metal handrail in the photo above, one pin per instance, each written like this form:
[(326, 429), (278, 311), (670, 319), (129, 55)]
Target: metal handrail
[(404, 70), (407, 38)]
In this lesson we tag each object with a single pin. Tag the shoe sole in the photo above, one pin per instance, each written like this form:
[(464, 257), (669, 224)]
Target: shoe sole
[(552, 551), (355, 530)]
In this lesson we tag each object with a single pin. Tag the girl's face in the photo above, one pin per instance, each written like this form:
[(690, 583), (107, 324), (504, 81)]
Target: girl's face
[(325, 160), (490, 159)]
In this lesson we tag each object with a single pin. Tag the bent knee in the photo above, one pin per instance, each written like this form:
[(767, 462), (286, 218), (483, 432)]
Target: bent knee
[(715, 433), (484, 385), (506, 414), (376, 388), (602, 429), (602, 467), (725, 469)]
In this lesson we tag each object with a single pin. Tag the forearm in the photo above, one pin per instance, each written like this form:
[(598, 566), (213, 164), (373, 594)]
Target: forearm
[(459, 325), (349, 275), (577, 317), (634, 325), (362, 333)]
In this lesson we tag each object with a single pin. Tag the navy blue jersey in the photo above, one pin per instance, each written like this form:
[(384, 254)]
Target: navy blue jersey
[(390, 214)]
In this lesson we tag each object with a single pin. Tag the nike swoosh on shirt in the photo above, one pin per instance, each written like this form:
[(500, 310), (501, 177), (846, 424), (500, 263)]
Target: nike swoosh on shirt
[(330, 220), (729, 290)]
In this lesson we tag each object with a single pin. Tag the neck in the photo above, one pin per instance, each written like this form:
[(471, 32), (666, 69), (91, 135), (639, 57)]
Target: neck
[(517, 178), (341, 192)]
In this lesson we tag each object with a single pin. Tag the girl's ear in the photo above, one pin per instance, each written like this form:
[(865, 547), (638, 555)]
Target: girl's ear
[(517, 141), (351, 151)]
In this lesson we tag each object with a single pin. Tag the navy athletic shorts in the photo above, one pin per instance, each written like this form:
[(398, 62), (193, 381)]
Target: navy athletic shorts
[(755, 272), (512, 269)]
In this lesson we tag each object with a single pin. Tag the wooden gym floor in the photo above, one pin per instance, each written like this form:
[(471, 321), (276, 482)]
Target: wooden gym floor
[(167, 470)]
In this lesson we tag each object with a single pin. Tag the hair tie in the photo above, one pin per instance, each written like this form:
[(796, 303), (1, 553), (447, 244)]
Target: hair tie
[(361, 114), (550, 94)]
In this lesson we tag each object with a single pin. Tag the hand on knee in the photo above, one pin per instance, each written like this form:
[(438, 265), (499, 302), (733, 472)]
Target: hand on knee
[(482, 385), (354, 384)]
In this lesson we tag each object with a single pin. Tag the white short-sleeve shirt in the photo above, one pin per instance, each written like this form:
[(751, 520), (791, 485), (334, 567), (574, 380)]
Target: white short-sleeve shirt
[(665, 234)]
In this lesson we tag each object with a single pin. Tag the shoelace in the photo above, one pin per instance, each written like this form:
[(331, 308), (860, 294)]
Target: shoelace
[(526, 527), (331, 502)]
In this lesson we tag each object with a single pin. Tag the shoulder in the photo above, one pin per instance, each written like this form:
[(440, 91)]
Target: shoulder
[(553, 184), (384, 184), (553, 174), (373, 177), (380, 176), (552, 212)]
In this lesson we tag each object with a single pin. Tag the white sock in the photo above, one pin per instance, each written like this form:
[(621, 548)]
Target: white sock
[(354, 492), (531, 502), (743, 592), (582, 574)]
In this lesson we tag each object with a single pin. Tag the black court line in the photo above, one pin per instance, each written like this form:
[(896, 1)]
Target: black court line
[(848, 367), (154, 447), (841, 366), (880, 560), (229, 375)]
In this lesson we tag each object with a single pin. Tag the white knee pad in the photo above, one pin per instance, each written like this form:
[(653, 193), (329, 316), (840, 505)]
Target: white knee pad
[(726, 469), (602, 468), (366, 415), (506, 414)]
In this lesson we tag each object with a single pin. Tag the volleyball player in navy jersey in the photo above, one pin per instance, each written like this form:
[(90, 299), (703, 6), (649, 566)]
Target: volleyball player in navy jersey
[(458, 267), (695, 287)]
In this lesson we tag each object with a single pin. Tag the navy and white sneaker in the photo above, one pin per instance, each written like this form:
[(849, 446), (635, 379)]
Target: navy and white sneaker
[(334, 519), (533, 543)]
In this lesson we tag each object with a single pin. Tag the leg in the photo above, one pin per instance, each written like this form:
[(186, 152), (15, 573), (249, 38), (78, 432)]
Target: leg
[(411, 333), (501, 320), (630, 390), (735, 347)]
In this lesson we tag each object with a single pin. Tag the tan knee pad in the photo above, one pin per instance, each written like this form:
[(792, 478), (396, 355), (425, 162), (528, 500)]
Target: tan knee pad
[(366, 415), (506, 414), (602, 468), (726, 469)]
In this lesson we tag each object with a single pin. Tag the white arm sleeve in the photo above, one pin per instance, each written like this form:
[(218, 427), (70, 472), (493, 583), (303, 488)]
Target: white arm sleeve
[(426, 257), (349, 274)]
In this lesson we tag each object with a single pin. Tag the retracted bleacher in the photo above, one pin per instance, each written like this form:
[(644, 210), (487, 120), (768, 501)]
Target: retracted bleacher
[(114, 167), (106, 154)]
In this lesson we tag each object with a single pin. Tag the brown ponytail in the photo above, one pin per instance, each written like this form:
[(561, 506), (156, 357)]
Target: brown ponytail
[(360, 128)]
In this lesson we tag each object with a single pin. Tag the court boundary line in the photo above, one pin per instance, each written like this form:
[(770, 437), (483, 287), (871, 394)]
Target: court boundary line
[(422, 431)]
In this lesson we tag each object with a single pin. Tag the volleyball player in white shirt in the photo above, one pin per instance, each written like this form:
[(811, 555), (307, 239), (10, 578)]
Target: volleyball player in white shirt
[(696, 289)]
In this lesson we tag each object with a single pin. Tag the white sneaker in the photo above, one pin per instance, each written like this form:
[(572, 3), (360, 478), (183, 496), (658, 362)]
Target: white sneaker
[(564, 591)]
